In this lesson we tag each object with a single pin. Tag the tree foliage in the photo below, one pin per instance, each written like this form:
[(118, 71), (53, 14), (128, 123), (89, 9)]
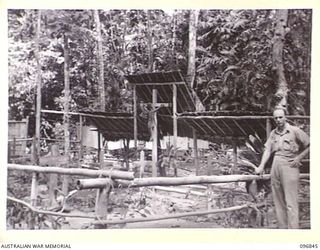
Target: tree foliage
[(233, 57)]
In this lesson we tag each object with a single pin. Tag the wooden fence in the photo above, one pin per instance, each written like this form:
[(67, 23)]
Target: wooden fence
[(105, 180)]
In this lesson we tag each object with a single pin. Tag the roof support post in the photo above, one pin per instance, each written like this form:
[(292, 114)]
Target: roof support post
[(154, 133), (135, 117), (80, 139), (195, 150), (235, 155), (175, 120)]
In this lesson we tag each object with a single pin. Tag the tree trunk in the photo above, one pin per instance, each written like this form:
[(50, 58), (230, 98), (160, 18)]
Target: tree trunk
[(66, 107), (172, 61), (150, 52), (277, 56), (100, 60), (38, 102), (193, 21)]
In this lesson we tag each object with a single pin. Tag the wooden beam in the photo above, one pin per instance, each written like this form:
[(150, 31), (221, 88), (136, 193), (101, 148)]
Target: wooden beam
[(39, 85), (135, 116), (157, 83), (235, 156), (154, 133), (173, 181), (175, 121), (57, 140), (102, 202), (34, 189), (86, 115), (240, 117), (195, 150), (20, 139), (80, 137), (73, 171), (161, 105)]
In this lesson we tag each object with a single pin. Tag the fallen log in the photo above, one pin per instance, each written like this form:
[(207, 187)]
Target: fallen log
[(173, 216), (74, 171), (173, 181)]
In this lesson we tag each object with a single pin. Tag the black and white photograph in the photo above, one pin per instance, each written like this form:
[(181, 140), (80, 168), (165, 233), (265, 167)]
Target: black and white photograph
[(158, 118)]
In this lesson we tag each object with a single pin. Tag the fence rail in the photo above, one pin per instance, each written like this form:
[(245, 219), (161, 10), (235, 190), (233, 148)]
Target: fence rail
[(119, 179)]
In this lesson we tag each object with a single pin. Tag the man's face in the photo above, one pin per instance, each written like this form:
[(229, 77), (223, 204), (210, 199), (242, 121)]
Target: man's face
[(279, 117)]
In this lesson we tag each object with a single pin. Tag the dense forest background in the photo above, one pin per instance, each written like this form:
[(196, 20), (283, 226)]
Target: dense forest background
[(236, 64)]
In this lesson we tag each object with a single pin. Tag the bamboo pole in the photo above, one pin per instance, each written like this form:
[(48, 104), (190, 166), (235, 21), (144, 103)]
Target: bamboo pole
[(38, 100), (34, 189), (14, 149), (84, 114), (58, 140), (173, 216), (240, 117), (175, 122), (195, 150), (135, 117), (158, 83), (173, 181), (154, 133), (20, 139), (80, 138), (73, 171), (34, 180)]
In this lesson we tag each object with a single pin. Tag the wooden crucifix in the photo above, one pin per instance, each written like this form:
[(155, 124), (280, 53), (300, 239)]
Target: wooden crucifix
[(149, 111)]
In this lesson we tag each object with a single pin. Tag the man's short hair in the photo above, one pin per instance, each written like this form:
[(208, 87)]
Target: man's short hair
[(280, 108)]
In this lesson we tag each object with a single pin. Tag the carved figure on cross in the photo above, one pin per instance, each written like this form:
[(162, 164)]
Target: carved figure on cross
[(149, 111)]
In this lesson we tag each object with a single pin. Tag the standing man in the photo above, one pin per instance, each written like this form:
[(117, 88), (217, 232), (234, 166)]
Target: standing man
[(289, 145)]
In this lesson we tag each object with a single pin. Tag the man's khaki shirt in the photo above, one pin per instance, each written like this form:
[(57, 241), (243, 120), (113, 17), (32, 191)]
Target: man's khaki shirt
[(289, 143)]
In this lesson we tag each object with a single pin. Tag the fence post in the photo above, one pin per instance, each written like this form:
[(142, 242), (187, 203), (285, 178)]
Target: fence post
[(14, 150), (53, 178), (80, 139), (102, 201), (34, 183)]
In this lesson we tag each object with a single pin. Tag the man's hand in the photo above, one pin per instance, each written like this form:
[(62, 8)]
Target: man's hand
[(296, 162)]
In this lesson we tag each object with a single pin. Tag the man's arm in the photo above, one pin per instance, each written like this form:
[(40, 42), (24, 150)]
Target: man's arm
[(265, 157), (296, 162), (304, 142)]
